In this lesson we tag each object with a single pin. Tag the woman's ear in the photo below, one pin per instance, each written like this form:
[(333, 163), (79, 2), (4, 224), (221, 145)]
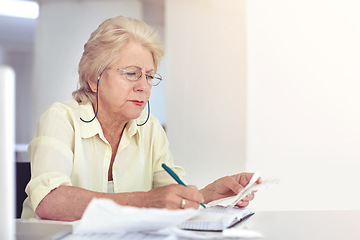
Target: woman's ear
[(92, 85)]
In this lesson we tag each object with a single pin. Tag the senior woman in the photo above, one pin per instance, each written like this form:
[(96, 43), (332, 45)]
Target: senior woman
[(100, 145)]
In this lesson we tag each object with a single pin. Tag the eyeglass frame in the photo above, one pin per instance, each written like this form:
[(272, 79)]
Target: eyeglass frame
[(156, 75)]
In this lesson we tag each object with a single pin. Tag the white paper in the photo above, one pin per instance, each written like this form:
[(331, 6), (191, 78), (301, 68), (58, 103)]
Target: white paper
[(252, 186), (106, 216)]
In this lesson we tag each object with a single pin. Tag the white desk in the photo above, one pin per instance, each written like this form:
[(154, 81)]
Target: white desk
[(291, 225), (307, 225), (41, 229)]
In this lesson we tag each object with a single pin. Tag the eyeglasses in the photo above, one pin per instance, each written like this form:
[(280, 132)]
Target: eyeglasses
[(134, 73)]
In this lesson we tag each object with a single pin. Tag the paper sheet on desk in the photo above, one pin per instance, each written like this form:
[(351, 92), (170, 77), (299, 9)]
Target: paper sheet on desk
[(106, 216), (252, 186)]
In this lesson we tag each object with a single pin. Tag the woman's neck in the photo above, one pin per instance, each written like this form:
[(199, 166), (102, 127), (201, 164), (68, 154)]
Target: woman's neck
[(112, 125)]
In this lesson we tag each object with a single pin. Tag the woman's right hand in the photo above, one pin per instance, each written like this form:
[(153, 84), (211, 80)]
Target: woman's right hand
[(171, 197)]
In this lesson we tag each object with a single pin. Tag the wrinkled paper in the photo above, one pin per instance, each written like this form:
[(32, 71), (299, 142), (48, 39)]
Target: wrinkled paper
[(106, 216)]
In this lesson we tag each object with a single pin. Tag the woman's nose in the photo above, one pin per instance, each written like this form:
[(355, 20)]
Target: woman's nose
[(142, 83)]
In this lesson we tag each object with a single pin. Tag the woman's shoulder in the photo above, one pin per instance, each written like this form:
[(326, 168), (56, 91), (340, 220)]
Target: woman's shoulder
[(148, 120), (65, 109), (58, 117), (69, 105), (152, 126)]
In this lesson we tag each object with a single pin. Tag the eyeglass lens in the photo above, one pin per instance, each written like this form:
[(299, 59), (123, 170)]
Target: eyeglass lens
[(134, 74)]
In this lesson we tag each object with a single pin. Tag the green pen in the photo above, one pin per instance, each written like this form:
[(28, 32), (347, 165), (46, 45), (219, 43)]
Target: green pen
[(176, 178)]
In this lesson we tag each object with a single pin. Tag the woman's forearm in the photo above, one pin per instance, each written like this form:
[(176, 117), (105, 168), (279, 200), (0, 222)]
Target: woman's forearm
[(68, 203)]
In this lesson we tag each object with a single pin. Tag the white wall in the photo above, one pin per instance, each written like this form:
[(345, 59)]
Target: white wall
[(153, 14), (304, 103), (62, 30), (206, 94), (289, 105)]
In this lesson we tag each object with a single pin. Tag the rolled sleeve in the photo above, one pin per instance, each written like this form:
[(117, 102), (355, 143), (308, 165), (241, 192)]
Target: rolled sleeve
[(51, 160), (51, 167)]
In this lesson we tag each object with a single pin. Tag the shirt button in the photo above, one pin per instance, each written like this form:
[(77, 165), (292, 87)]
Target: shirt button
[(114, 168)]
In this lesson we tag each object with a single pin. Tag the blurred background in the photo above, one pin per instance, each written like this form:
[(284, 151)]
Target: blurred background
[(268, 86)]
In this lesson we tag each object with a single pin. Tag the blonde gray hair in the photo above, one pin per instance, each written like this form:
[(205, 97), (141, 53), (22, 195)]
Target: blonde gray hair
[(103, 46)]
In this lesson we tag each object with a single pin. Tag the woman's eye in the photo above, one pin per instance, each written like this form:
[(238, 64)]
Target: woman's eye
[(131, 73)]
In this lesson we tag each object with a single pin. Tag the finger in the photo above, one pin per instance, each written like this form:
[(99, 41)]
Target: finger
[(231, 184), (242, 204), (249, 197), (183, 203), (246, 200), (186, 203), (245, 178), (190, 193), (165, 197), (259, 180), (193, 187)]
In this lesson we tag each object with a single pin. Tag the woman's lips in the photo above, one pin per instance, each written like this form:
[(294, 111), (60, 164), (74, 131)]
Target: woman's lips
[(136, 102)]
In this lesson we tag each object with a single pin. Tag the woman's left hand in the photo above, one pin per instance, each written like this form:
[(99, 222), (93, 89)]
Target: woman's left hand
[(229, 186)]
